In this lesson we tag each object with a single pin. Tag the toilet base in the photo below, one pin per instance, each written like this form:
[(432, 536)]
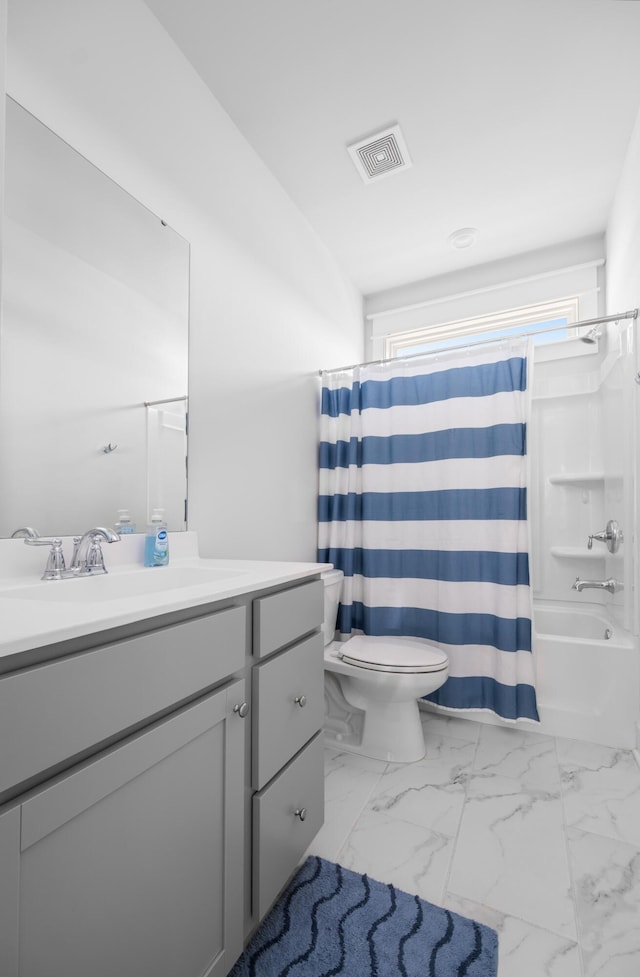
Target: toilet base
[(374, 733)]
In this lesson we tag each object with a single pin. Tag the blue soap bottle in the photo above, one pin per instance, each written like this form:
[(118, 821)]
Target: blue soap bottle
[(156, 541), (124, 526)]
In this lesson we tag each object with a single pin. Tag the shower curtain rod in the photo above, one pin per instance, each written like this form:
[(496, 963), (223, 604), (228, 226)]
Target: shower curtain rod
[(632, 314), (166, 400)]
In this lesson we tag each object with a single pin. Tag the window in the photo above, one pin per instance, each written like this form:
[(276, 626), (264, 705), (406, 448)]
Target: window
[(495, 326)]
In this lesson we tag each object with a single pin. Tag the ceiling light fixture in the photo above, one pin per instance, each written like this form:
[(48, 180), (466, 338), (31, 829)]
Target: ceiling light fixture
[(464, 237)]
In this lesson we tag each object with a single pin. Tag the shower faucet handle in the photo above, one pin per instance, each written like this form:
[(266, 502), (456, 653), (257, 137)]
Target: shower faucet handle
[(611, 535)]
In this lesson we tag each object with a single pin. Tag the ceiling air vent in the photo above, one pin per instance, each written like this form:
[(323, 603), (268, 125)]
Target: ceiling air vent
[(380, 155)]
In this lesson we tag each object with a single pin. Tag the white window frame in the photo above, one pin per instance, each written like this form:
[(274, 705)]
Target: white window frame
[(397, 344), (479, 294)]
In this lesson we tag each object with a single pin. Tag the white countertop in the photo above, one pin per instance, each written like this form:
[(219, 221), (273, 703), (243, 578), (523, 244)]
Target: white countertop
[(31, 623)]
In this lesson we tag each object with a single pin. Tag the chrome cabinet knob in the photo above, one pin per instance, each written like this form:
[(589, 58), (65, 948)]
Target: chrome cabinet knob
[(242, 709), (301, 812), (301, 700)]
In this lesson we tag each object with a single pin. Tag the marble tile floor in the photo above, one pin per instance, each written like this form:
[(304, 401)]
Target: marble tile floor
[(537, 836)]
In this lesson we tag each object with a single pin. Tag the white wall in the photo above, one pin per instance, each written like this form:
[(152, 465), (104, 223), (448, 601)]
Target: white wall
[(622, 406), (3, 46), (623, 233), (269, 306)]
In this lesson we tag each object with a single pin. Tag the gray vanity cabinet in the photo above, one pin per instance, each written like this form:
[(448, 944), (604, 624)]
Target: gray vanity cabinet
[(158, 787), (130, 863)]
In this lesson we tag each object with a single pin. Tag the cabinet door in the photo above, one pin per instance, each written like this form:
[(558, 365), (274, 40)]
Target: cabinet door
[(132, 863)]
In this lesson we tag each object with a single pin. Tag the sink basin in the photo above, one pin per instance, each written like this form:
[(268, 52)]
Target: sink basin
[(119, 585)]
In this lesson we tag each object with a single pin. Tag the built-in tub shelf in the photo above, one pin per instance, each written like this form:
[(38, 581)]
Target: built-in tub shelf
[(582, 553), (576, 478), (578, 553)]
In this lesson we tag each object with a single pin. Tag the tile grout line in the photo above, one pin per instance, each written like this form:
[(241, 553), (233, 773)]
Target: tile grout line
[(361, 811), (572, 880), (445, 888)]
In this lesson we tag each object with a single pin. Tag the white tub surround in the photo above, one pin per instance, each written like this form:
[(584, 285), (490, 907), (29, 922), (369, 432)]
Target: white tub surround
[(587, 674)]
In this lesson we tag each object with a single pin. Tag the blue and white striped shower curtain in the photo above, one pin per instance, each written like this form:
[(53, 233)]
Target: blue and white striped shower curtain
[(422, 504)]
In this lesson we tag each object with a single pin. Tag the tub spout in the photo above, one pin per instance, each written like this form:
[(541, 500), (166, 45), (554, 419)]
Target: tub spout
[(613, 586)]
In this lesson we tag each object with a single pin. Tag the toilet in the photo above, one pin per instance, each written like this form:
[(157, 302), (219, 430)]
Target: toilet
[(372, 687)]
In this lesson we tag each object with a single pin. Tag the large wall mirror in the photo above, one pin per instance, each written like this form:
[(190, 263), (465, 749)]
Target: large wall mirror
[(94, 345)]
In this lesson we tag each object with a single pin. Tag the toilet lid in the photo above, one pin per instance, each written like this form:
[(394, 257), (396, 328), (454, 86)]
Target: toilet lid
[(393, 654)]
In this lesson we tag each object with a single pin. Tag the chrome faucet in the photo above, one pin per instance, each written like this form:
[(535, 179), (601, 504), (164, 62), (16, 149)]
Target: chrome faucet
[(88, 557), (613, 586)]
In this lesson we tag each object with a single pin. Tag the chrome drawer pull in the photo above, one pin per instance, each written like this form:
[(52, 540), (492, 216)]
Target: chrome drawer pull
[(301, 700), (241, 708), (301, 812)]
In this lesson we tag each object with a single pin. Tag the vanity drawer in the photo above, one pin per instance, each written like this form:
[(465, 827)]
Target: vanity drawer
[(280, 836), (281, 726), (281, 618), (51, 713)]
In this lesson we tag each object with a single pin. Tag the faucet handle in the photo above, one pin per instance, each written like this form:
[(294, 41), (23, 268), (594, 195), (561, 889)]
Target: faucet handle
[(611, 535), (54, 570), (55, 566), (95, 557)]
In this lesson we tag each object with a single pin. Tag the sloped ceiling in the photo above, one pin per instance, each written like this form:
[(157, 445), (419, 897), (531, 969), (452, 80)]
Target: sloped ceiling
[(516, 114)]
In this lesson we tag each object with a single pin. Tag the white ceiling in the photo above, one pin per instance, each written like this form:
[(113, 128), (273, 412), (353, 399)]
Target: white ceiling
[(516, 113)]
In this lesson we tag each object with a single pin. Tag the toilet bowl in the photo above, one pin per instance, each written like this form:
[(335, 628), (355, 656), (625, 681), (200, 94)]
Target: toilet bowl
[(372, 687)]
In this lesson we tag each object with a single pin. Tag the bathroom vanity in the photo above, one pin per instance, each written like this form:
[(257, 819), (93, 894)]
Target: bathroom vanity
[(161, 763)]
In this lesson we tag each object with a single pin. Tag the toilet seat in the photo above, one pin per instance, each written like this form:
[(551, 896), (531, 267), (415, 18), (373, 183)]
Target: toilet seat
[(393, 654)]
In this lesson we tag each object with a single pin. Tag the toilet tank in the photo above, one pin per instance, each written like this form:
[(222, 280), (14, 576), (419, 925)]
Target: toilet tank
[(332, 580)]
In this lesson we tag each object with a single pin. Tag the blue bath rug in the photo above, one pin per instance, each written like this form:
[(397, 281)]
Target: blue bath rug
[(331, 922)]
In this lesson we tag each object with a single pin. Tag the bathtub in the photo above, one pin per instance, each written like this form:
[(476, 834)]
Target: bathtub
[(587, 674)]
